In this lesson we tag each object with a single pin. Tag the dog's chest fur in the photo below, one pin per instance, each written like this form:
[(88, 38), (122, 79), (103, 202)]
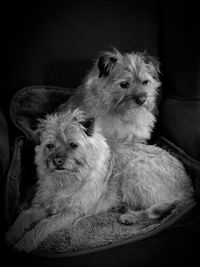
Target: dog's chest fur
[(79, 194), (136, 125)]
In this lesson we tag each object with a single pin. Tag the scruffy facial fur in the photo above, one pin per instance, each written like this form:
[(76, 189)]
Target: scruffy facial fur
[(72, 163), (65, 140), (120, 92), (79, 174)]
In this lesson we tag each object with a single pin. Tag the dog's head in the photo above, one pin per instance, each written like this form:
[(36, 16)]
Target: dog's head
[(124, 81), (68, 143)]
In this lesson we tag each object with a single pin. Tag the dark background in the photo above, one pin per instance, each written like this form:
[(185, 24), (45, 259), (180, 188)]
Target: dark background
[(54, 43)]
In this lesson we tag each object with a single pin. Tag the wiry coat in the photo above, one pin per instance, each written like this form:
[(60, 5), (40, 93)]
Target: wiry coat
[(120, 92), (79, 174)]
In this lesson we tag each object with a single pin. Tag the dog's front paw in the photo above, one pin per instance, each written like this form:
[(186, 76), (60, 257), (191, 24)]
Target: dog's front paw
[(128, 219), (132, 217), (28, 243)]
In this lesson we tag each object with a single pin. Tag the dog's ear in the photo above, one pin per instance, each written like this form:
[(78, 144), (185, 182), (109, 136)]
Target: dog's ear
[(154, 63), (88, 125), (106, 62)]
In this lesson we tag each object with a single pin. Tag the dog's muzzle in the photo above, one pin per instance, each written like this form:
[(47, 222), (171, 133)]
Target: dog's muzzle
[(140, 99), (58, 162)]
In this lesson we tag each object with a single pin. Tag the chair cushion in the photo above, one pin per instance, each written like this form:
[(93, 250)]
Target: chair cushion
[(96, 232)]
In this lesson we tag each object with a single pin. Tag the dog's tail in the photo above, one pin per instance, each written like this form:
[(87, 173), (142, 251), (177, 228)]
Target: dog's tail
[(161, 210), (152, 214)]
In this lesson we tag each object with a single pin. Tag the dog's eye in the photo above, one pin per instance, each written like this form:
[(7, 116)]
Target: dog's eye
[(124, 84), (145, 82), (49, 146), (73, 145)]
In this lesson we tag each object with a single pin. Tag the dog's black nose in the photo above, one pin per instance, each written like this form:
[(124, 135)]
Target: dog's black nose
[(140, 100), (58, 162)]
